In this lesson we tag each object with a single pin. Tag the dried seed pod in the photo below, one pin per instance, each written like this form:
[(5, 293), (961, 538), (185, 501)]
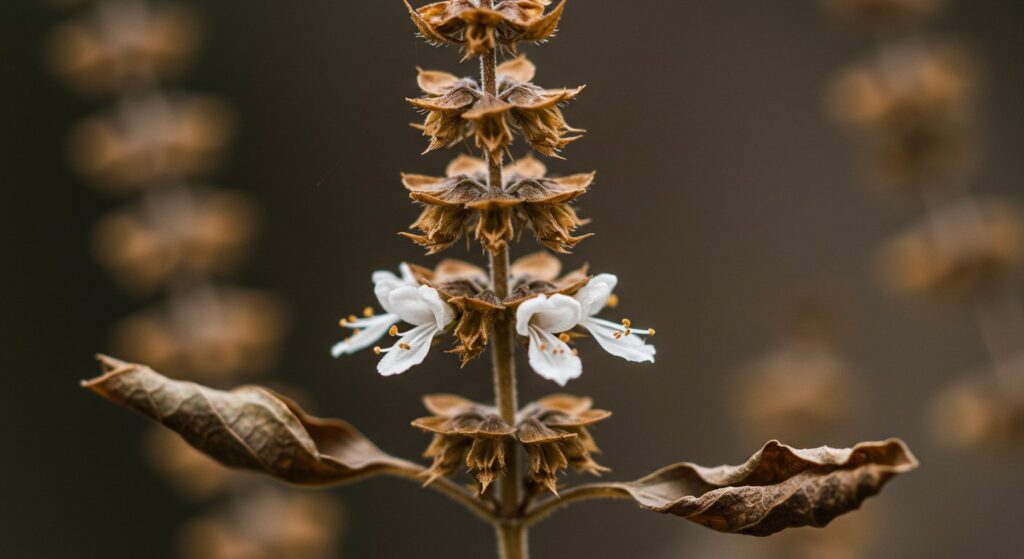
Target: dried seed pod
[(175, 233), (461, 200), (124, 45), (457, 108), (555, 432), (913, 109), (965, 250), (151, 141), (464, 431), (269, 523), (479, 30), (211, 335), (884, 12)]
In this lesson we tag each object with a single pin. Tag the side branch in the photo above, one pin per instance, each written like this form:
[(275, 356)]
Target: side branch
[(450, 489), (549, 506)]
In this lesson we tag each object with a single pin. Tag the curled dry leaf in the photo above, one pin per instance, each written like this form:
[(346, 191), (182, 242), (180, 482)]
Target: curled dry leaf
[(779, 487), (249, 428)]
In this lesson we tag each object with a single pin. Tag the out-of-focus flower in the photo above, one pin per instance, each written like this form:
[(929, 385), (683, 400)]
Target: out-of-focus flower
[(206, 334), (125, 45), (267, 524), (528, 198), (372, 327), (884, 12), (191, 472), (964, 250), (555, 432), (978, 412), (796, 392), (151, 141), (457, 108), (175, 233), (465, 432), (913, 107), (480, 30)]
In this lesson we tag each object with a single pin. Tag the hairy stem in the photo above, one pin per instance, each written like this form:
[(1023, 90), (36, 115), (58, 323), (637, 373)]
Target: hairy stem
[(570, 496), (512, 537), (450, 489)]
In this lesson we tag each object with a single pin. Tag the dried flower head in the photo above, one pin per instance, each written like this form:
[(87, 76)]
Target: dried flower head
[(176, 233), (152, 140), (884, 12), (125, 45), (913, 107), (461, 201), (963, 251), (465, 432), (210, 335), (555, 432), (480, 30), (457, 108)]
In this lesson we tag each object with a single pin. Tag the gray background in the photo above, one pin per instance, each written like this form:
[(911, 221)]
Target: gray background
[(723, 191)]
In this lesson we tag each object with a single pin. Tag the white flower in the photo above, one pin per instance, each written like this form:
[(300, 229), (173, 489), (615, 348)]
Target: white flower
[(373, 327), (618, 339), (423, 308), (541, 319)]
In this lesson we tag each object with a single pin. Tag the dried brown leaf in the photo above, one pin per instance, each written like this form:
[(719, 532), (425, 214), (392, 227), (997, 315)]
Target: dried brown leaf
[(779, 487), (249, 428)]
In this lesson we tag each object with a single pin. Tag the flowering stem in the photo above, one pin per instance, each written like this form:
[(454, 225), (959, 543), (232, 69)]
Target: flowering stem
[(512, 536)]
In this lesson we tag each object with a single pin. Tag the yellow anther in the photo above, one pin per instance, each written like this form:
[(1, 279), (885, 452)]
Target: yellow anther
[(651, 332), (343, 322), (565, 337), (368, 312), (627, 323), (405, 346), (613, 301), (629, 332), (352, 318), (618, 335), (378, 350), (543, 347), (393, 331)]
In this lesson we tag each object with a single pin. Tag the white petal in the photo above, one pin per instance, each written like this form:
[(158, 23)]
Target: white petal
[(594, 296), (410, 306), (443, 313), (384, 288), (369, 331), (407, 276), (631, 347), (556, 314), (552, 358), (397, 360)]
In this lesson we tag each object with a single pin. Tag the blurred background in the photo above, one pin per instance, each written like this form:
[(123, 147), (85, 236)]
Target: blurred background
[(736, 211)]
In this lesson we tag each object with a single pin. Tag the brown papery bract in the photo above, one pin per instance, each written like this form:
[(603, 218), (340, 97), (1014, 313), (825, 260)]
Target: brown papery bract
[(458, 108), (479, 30), (461, 201)]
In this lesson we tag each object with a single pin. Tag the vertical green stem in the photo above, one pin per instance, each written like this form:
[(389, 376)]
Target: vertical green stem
[(511, 532)]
